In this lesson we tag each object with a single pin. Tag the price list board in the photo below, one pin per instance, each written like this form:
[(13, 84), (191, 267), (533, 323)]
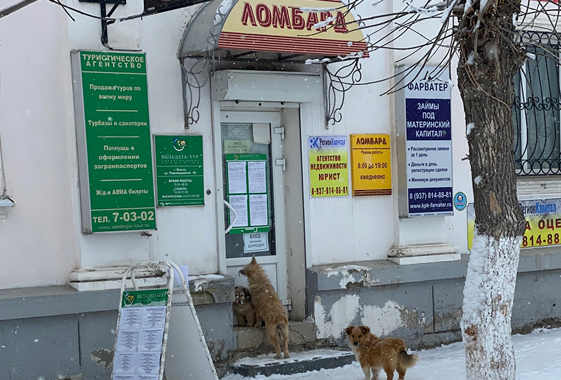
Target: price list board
[(139, 348), (114, 144)]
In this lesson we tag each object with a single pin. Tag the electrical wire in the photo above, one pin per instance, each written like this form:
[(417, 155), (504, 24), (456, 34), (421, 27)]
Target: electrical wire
[(111, 19)]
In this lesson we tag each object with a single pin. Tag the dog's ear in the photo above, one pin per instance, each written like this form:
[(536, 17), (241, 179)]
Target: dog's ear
[(365, 329), (253, 261), (349, 329)]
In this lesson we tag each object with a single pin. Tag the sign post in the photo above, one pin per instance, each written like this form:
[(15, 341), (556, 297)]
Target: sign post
[(114, 146)]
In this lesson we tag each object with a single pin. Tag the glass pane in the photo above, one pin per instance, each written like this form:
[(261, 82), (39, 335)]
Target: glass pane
[(238, 138)]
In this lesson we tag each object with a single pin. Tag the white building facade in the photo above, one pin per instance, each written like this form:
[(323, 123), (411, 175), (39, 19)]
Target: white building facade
[(260, 132)]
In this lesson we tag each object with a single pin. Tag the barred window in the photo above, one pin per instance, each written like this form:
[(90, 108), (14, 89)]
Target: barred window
[(536, 107)]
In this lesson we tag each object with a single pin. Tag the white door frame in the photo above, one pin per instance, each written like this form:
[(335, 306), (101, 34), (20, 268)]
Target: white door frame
[(261, 90)]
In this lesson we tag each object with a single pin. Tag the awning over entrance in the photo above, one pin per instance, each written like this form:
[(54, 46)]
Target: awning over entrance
[(273, 29)]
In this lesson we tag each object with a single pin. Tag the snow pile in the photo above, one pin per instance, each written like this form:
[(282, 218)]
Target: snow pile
[(537, 356)]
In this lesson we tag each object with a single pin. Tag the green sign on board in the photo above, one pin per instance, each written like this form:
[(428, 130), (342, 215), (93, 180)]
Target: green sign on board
[(179, 170), (114, 147), (142, 298)]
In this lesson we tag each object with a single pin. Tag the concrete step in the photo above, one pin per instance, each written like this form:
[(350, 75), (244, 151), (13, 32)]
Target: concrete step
[(298, 362), (249, 338)]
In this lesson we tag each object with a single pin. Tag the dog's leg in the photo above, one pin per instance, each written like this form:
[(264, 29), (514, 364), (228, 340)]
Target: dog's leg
[(366, 371), (389, 373), (258, 319), (250, 320), (285, 337), (401, 372), (272, 334)]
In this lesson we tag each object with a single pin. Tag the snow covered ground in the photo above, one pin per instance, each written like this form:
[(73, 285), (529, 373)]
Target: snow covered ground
[(538, 356)]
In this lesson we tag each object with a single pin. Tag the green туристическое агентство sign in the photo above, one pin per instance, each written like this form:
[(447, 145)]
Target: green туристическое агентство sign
[(114, 145)]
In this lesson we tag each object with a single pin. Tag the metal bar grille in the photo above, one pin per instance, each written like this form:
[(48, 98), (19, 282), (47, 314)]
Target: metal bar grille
[(536, 107)]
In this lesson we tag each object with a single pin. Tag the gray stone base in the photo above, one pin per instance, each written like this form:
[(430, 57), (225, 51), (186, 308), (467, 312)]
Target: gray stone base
[(422, 303), (297, 363)]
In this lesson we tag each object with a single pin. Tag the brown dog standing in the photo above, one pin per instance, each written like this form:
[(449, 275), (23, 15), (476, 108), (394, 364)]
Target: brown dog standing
[(374, 353), (267, 306)]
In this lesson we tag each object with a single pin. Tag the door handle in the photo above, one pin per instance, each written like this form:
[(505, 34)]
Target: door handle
[(235, 216)]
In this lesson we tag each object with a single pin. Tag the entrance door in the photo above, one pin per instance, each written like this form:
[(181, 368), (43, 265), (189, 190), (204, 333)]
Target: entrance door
[(253, 174)]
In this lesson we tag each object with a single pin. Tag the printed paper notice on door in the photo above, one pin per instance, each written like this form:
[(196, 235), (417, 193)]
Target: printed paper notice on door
[(237, 177), (248, 192), (257, 176), (258, 209), (239, 204), (255, 242)]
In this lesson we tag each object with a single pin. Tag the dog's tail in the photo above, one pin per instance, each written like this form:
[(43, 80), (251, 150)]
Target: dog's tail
[(281, 329), (408, 360)]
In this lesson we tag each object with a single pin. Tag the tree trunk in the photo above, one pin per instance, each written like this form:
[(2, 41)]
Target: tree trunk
[(485, 80)]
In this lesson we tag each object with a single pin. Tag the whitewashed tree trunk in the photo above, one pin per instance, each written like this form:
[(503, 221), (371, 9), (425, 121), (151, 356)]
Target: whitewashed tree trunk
[(489, 59), (488, 298)]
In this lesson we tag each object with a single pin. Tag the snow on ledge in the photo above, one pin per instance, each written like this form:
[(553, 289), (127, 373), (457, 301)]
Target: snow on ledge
[(200, 280), (351, 274)]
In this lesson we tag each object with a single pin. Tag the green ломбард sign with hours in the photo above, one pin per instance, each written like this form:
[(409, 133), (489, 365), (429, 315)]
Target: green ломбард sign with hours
[(179, 170), (114, 144)]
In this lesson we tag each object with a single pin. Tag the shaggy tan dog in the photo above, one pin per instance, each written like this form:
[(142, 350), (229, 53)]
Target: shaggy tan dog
[(243, 307), (267, 306), (374, 353)]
